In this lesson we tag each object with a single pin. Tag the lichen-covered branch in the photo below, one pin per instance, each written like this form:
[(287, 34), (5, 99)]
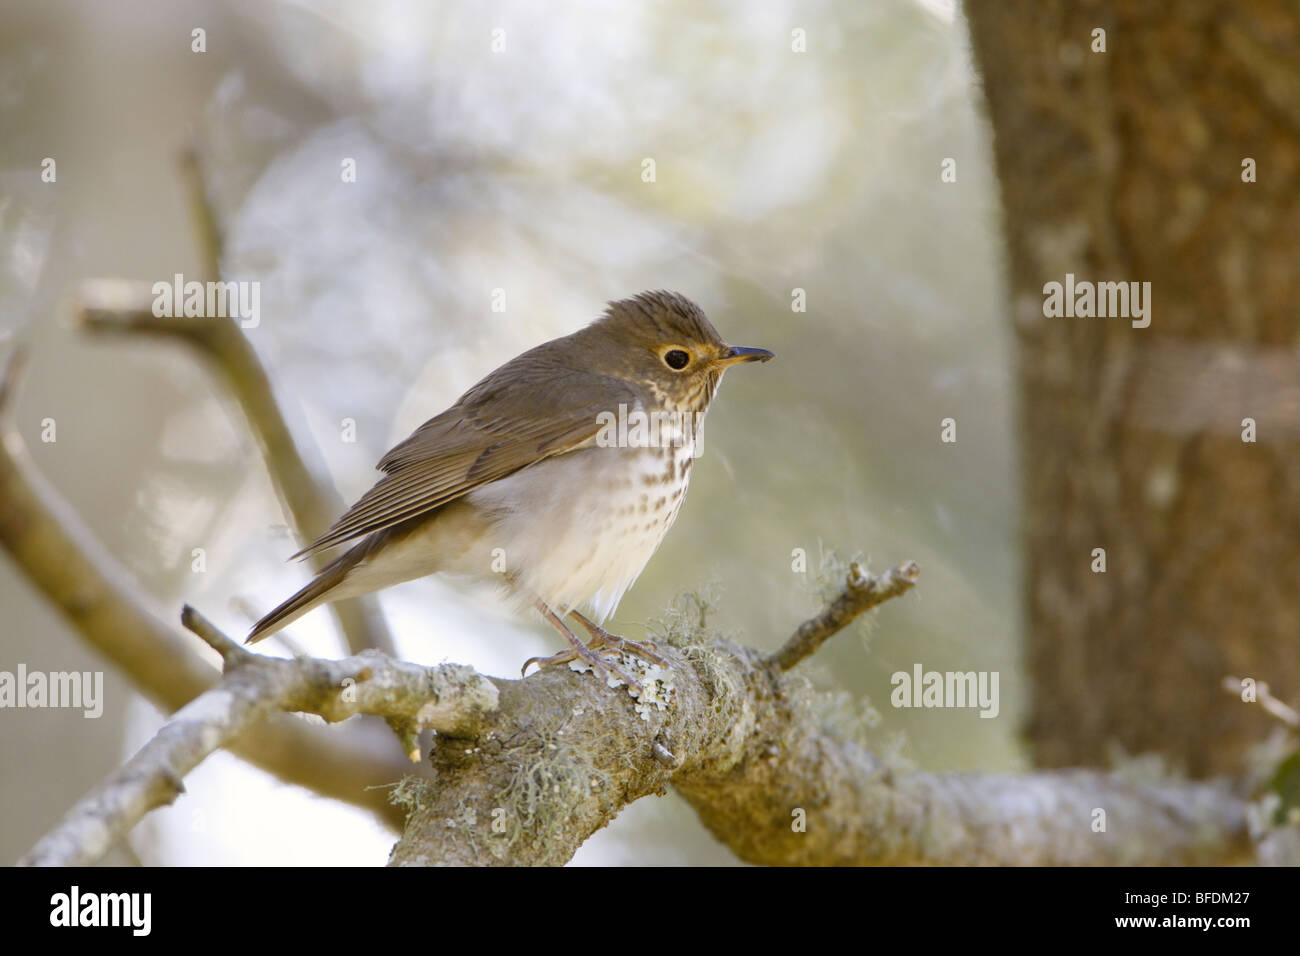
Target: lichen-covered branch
[(741, 742), (854, 809), (66, 562), (450, 698), (526, 770)]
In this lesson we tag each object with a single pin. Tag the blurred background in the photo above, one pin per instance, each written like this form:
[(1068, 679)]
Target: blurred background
[(499, 153)]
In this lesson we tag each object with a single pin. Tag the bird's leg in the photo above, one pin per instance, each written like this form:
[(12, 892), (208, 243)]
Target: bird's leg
[(577, 649), (602, 638)]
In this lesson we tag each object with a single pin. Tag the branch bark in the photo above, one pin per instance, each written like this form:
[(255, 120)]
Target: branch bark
[(742, 742)]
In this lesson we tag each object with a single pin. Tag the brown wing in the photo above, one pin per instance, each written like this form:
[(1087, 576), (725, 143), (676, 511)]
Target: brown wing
[(525, 411)]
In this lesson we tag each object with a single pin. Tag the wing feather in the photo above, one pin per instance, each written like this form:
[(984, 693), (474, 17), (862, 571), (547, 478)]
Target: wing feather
[(494, 430)]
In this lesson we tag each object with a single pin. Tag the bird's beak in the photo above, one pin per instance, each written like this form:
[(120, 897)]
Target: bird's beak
[(736, 354)]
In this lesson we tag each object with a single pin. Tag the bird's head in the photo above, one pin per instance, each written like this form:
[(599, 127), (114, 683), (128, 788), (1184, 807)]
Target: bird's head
[(664, 342)]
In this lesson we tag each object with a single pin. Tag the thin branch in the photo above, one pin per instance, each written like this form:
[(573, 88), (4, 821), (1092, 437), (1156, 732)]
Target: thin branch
[(114, 306), (861, 593), (66, 562), (1278, 708), (449, 698), (232, 653), (119, 307), (206, 224)]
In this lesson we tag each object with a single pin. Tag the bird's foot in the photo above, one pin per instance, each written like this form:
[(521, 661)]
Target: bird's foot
[(601, 638), (579, 651), (644, 649)]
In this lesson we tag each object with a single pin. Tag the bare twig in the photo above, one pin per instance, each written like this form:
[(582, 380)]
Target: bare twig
[(117, 307), (1278, 708), (114, 306), (206, 224), (451, 698), (65, 561), (861, 593)]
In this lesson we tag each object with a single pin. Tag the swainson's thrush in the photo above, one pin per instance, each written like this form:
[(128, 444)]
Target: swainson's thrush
[(559, 474)]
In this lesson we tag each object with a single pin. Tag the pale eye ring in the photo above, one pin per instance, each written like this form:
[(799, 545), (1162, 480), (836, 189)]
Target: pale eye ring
[(677, 359)]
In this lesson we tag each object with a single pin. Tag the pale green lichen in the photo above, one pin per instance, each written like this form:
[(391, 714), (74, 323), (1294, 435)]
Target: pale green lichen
[(685, 626), (844, 716), (409, 793), (827, 582), (655, 691), (547, 786), (654, 685), (685, 623)]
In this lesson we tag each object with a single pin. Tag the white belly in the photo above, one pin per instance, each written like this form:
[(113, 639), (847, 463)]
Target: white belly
[(578, 529)]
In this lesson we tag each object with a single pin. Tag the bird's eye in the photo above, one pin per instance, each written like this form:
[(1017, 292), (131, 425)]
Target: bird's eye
[(676, 358)]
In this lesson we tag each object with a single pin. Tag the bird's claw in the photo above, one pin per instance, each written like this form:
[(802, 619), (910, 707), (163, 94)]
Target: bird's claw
[(644, 649), (601, 666)]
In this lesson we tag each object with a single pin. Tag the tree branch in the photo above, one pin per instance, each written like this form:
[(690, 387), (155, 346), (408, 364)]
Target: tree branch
[(64, 560), (745, 747), (861, 593), (207, 227), (119, 307), (450, 698), (527, 770)]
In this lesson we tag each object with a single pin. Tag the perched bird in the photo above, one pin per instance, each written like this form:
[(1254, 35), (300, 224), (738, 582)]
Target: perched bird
[(558, 474)]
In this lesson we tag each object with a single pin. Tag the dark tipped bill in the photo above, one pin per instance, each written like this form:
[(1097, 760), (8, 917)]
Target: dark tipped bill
[(737, 354)]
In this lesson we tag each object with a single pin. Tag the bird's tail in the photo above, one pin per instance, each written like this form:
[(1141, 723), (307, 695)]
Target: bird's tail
[(325, 587)]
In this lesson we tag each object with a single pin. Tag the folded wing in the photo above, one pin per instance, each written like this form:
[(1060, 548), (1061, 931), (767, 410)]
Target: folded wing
[(524, 412)]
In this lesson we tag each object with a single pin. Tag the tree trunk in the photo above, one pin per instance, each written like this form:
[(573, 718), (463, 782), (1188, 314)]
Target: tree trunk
[(1129, 165)]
